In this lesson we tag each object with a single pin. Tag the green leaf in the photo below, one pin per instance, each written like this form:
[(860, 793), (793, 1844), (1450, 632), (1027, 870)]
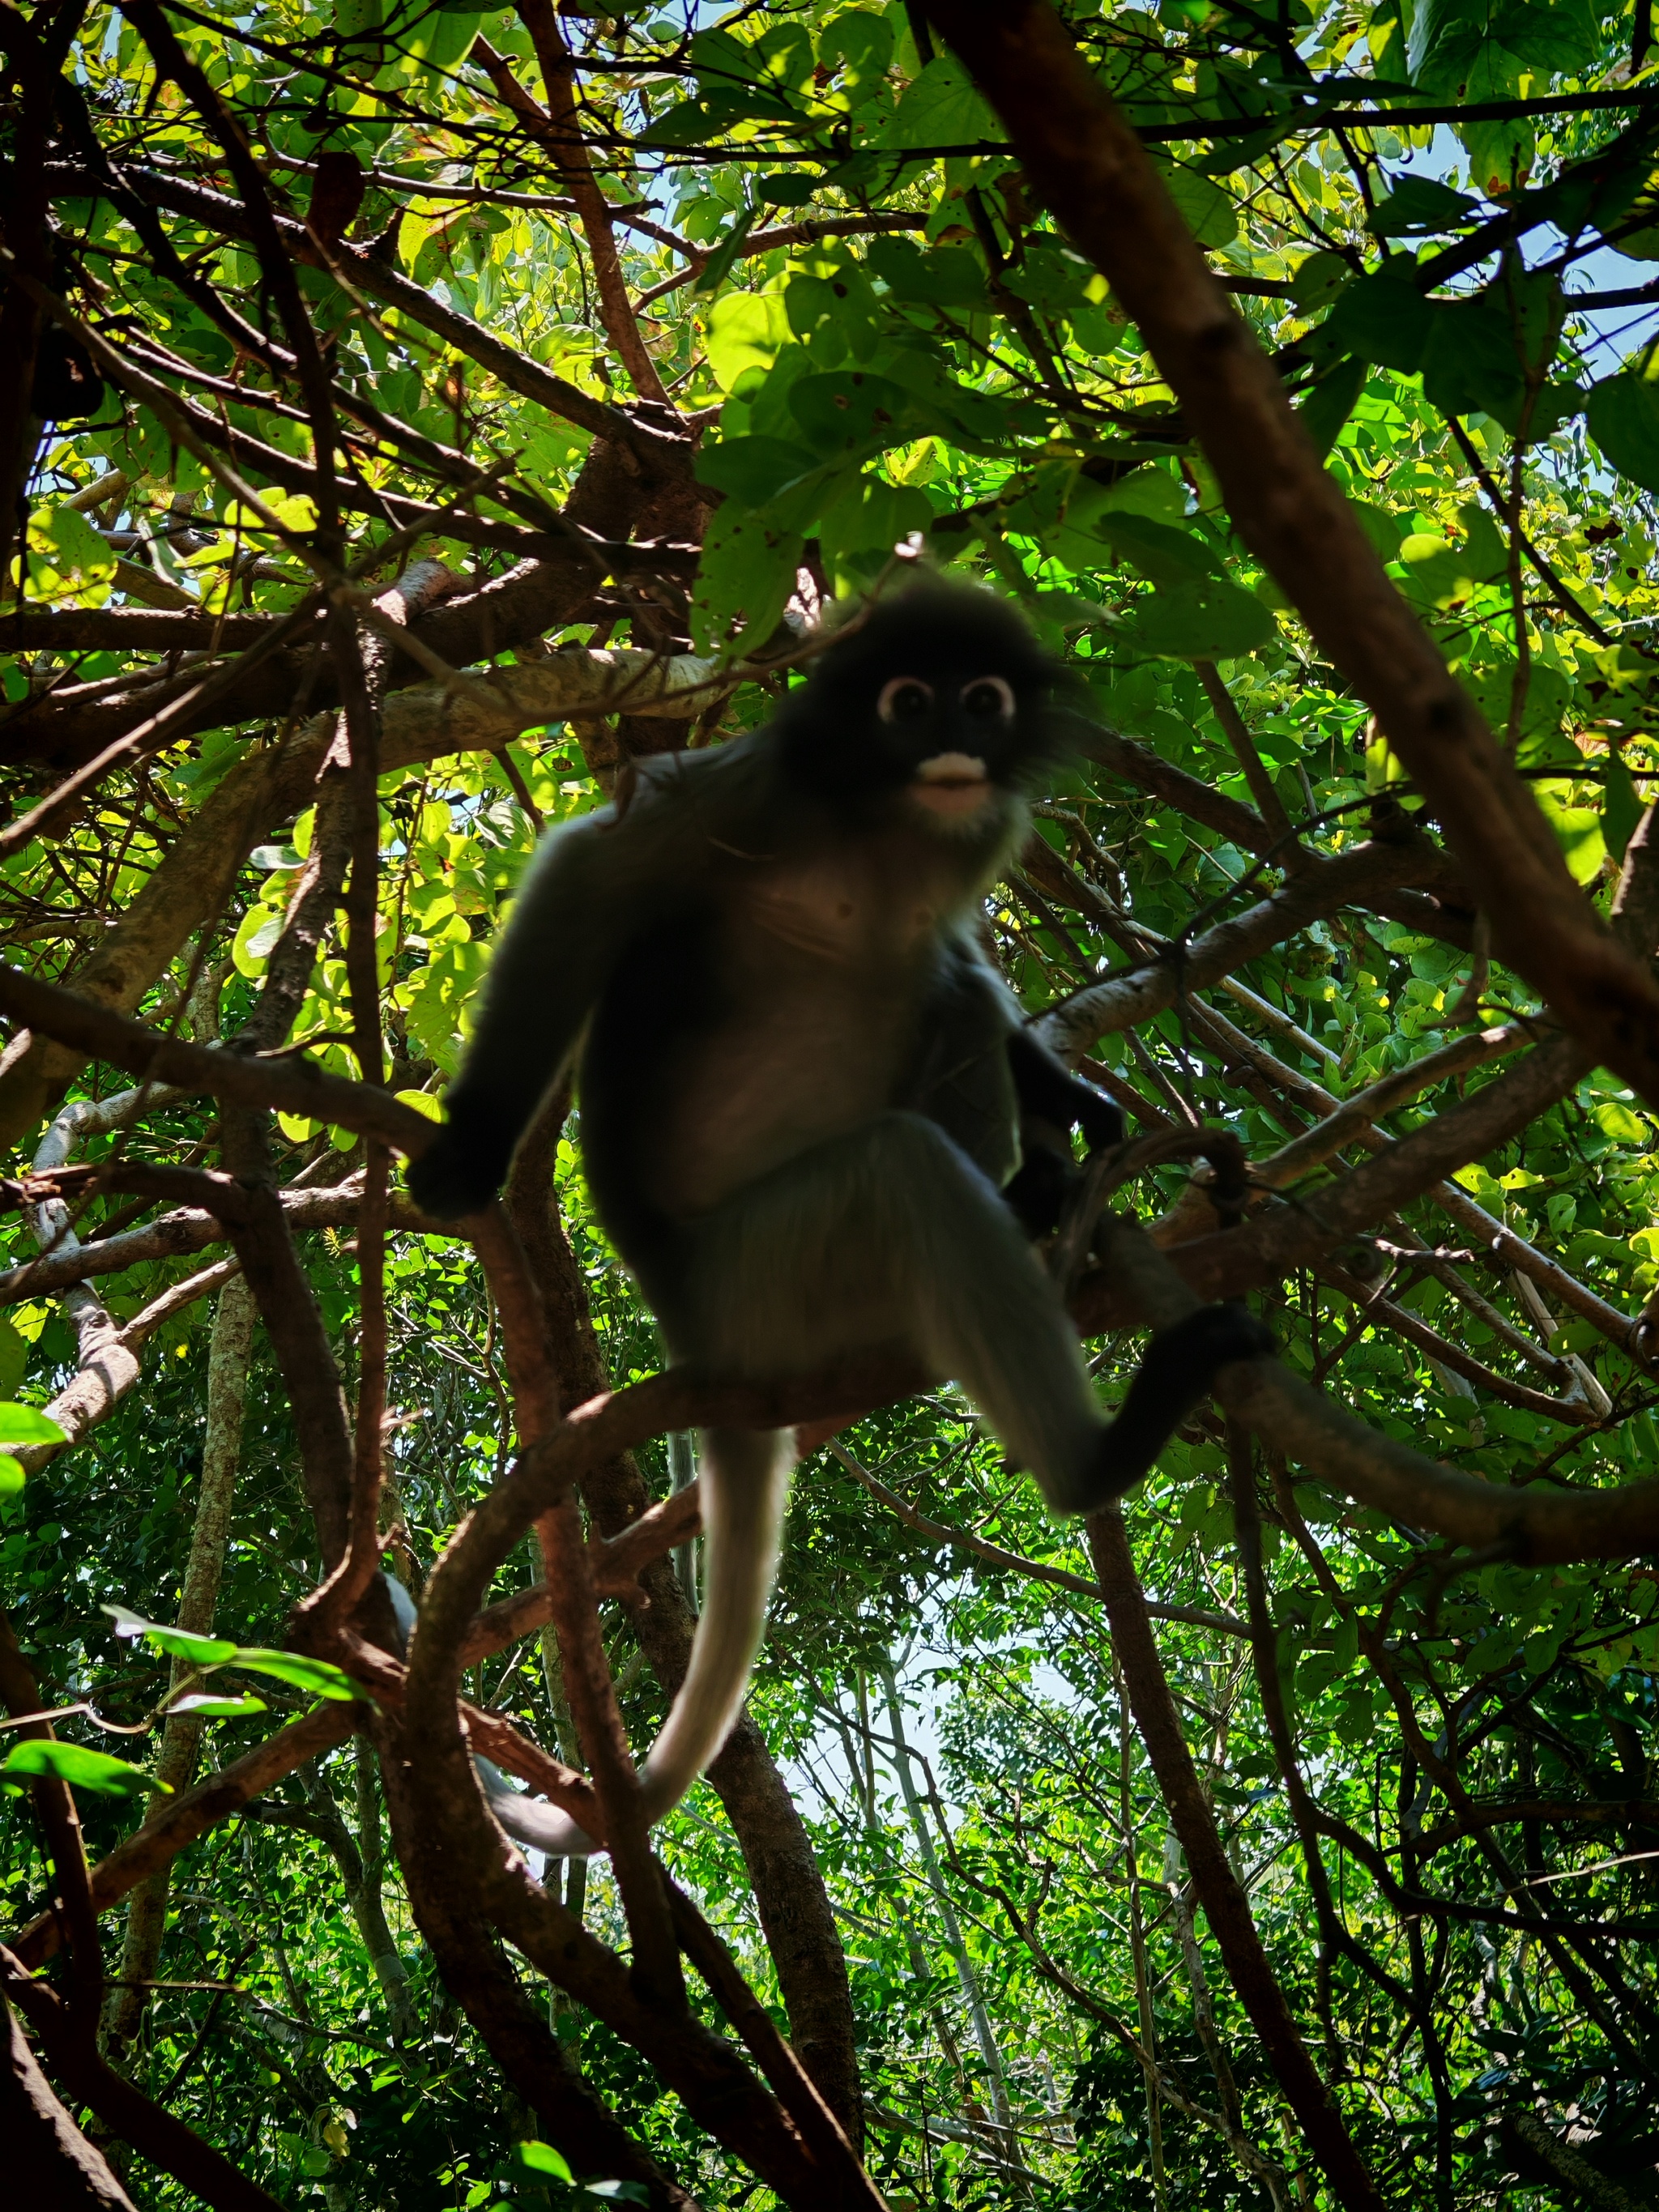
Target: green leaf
[(1484, 554), (1578, 829), (316, 1675), (1623, 809), (1549, 694), (23, 1425), (941, 107), (541, 2158), (205, 1706), (12, 1477), (860, 42), (1435, 575), (1623, 418), (746, 573), (1207, 208), (81, 1768), (256, 937), (1383, 319), (70, 544), (1165, 554), (1207, 620), (1149, 490), (1470, 363), (1618, 1121), (1421, 204), (1318, 281), (1384, 530), (176, 1643), (850, 410), (718, 267), (1501, 155), (1481, 49), (1329, 403), (752, 470), (944, 277), (689, 123), (787, 188), (869, 516), (746, 330), (784, 52)]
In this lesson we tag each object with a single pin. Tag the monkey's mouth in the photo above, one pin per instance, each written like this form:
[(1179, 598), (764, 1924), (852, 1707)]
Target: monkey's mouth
[(951, 783)]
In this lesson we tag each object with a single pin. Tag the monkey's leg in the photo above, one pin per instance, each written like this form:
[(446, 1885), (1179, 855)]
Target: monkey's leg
[(891, 1232), (888, 1234)]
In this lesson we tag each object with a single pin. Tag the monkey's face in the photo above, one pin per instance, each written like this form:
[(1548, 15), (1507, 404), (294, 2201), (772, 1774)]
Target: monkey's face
[(950, 740), (938, 706)]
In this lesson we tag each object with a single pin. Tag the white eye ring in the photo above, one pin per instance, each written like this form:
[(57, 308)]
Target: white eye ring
[(999, 684), (893, 691)]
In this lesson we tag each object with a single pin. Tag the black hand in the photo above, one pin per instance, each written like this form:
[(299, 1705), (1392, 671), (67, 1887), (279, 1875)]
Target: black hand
[(1038, 1192), (461, 1170), (1047, 1089)]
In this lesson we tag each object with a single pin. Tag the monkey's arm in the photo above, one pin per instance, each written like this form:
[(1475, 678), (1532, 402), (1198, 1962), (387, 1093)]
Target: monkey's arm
[(568, 926), (1052, 1102)]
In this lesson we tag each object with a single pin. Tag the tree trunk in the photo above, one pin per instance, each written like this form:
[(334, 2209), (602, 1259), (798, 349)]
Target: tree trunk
[(181, 1736)]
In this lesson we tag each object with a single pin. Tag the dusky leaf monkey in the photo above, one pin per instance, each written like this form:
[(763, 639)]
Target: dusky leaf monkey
[(803, 1087)]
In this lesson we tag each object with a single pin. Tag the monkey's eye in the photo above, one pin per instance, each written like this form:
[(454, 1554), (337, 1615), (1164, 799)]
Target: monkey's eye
[(989, 697), (904, 699)]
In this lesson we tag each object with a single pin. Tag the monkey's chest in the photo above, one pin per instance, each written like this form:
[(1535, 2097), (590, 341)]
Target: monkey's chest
[(819, 977)]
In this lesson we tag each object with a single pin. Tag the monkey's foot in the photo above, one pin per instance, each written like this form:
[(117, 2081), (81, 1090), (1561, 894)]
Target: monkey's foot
[(451, 1178), (1179, 1365)]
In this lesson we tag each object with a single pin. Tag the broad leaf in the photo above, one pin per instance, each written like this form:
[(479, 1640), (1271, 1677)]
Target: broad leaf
[(1384, 319), (1207, 620), (26, 1424), (81, 1768), (316, 1675), (1421, 204), (752, 470), (1482, 49), (176, 1643), (1623, 417), (942, 107), (746, 330), (852, 410)]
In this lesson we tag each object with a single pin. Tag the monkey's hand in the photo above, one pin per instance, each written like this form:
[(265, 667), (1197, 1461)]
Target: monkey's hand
[(1038, 1192), (461, 1170), (1047, 1089)]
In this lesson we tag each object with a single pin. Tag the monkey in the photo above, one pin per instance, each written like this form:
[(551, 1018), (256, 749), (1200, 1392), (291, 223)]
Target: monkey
[(803, 1087)]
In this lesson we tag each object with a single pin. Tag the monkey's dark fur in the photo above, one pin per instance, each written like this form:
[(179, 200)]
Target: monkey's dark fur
[(803, 1088)]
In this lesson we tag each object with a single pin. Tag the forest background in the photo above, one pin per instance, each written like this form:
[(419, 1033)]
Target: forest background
[(411, 415)]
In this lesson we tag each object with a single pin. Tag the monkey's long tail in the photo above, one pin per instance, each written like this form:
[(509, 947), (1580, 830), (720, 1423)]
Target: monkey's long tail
[(743, 1482)]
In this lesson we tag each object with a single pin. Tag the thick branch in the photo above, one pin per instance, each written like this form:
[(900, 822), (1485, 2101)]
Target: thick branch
[(1352, 878), (1085, 162)]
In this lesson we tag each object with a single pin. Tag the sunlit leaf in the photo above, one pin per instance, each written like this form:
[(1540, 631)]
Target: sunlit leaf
[(81, 1768), (26, 1424)]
